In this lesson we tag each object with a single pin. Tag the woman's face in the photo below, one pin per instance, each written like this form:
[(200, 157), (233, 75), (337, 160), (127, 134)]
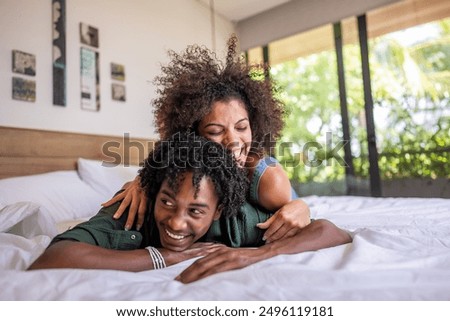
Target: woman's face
[(183, 218), (228, 124)]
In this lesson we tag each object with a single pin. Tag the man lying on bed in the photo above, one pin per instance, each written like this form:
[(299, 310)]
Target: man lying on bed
[(198, 210)]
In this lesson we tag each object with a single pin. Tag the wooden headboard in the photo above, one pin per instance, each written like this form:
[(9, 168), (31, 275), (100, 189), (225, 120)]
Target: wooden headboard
[(30, 151)]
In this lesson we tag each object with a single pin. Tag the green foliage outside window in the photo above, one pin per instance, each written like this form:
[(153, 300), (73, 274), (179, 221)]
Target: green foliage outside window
[(411, 93)]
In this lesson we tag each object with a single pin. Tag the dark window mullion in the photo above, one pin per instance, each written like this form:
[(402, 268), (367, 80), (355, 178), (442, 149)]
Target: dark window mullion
[(265, 50), (374, 172), (349, 171)]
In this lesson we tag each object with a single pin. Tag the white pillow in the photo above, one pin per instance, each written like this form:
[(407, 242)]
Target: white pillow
[(105, 180), (63, 194), (26, 219)]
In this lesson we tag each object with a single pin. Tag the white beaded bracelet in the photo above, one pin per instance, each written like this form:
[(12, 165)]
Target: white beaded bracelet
[(157, 258)]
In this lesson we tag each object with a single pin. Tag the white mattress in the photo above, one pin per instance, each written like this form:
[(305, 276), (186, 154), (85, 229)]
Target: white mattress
[(400, 251)]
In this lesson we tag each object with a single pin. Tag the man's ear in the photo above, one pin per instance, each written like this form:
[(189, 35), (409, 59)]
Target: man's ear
[(218, 212)]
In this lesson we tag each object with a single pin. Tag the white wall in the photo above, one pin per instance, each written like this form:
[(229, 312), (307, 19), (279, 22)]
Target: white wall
[(135, 33)]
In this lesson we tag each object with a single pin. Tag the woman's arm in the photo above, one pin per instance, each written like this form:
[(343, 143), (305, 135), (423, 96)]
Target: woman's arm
[(317, 235), (73, 254), (274, 194), (133, 197), (274, 190)]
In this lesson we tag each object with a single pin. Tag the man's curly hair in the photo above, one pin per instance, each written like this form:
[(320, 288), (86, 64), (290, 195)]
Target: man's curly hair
[(187, 152), (195, 79)]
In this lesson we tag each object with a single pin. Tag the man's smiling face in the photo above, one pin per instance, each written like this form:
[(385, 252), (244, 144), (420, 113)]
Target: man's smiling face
[(181, 217)]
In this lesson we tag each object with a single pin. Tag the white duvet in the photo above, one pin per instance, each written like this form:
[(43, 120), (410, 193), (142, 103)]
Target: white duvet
[(400, 251)]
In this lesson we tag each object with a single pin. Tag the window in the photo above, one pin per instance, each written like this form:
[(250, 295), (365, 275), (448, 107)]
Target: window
[(411, 89), (311, 146), (409, 59)]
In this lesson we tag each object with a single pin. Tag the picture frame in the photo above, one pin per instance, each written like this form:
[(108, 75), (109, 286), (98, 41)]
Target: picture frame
[(89, 35), (117, 71), (118, 92), (23, 63), (59, 52), (90, 79), (23, 89)]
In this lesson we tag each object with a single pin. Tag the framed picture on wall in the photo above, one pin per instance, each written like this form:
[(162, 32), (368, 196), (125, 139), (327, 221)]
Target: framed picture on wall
[(59, 52), (118, 92), (23, 63), (90, 79), (117, 71), (88, 35), (23, 89)]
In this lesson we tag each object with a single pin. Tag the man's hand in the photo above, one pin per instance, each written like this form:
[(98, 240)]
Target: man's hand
[(318, 235), (196, 250)]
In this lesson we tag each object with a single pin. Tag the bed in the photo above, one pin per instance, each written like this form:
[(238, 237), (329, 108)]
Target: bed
[(400, 249)]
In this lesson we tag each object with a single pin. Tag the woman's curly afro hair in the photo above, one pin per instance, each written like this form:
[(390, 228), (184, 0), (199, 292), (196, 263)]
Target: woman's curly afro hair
[(195, 79), (187, 152)]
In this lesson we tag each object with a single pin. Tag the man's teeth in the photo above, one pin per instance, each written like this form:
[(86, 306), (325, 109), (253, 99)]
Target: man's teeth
[(174, 236)]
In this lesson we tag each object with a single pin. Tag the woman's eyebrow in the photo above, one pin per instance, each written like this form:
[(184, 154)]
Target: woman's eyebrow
[(212, 124), (216, 124), (243, 119)]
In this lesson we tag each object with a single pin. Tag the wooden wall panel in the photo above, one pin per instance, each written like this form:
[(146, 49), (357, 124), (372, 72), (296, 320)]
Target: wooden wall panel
[(28, 151)]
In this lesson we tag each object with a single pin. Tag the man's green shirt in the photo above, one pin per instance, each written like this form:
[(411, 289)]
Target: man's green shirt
[(105, 231)]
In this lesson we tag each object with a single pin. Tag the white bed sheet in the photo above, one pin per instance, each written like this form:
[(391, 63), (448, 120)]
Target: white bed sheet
[(400, 251)]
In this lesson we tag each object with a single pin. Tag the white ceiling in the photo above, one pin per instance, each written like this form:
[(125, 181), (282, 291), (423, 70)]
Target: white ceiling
[(235, 10)]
